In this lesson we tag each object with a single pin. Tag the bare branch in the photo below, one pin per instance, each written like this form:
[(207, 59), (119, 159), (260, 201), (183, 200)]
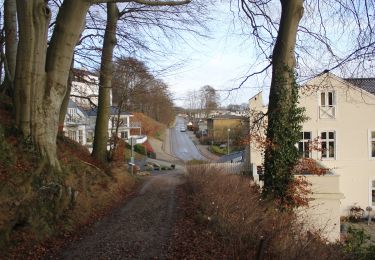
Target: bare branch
[(144, 2)]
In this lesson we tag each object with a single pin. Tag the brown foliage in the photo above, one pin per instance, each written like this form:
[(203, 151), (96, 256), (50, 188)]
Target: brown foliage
[(297, 194), (24, 222), (309, 166), (118, 155), (150, 126), (234, 209)]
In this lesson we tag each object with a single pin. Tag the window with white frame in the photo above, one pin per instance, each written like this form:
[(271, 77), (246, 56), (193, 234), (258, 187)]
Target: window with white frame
[(90, 136), (327, 109), (372, 144), (72, 135), (124, 135), (372, 192), (304, 146), (328, 144), (80, 136), (327, 99)]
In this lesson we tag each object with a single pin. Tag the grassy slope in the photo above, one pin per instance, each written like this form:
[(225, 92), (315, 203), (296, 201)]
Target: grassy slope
[(37, 203), (150, 127)]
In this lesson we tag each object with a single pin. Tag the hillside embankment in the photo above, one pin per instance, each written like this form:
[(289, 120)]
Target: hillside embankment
[(42, 207)]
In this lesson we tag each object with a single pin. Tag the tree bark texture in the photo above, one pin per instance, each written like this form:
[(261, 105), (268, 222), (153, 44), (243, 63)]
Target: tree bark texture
[(105, 85), (42, 71), (65, 103), (280, 154), (10, 29)]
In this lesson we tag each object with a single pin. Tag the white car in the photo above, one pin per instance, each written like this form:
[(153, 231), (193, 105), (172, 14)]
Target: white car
[(182, 129)]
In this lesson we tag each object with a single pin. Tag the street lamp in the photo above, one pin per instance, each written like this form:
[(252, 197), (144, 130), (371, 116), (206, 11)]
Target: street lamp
[(228, 141)]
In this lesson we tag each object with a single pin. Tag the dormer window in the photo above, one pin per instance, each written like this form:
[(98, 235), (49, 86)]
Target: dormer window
[(327, 108)]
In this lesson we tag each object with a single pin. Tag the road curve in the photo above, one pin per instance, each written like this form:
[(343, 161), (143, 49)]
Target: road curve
[(181, 144)]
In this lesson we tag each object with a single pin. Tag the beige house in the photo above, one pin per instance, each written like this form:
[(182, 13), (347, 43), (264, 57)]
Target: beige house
[(341, 123)]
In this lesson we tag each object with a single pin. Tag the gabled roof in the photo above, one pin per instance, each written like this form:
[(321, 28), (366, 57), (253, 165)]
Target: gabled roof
[(364, 85), (235, 157), (73, 104), (113, 112), (226, 117), (367, 84)]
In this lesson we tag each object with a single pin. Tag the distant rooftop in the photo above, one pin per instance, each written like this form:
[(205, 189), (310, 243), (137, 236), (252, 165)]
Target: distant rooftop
[(367, 84), (232, 157), (114, 111), (73, 104), (227, 117)]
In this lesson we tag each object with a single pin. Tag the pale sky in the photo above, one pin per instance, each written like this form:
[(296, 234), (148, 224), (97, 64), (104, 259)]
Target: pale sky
[(220, 61), (223, 60)]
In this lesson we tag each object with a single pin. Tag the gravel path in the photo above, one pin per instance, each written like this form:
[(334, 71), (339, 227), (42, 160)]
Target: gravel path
[(139, 230)]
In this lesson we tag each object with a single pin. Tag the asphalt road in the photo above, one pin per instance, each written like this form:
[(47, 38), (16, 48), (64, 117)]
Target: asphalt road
[(181, 144)]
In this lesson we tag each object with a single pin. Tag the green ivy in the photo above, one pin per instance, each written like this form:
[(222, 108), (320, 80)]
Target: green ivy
[(358, 245), (283, 132)]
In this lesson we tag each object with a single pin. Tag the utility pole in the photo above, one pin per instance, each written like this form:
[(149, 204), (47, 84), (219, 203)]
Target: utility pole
[(228, 141)]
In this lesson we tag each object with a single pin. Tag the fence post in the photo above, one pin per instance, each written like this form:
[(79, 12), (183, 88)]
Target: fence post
[(260, 251)]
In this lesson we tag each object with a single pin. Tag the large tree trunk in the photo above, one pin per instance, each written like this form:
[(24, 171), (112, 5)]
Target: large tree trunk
[(65, 103), (41, 73), (283, 116), (10, 28), (105, 84)]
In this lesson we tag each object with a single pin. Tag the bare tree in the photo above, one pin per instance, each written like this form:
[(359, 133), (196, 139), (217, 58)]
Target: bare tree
[(131, 15), (42, 67), (10, 30), (136, 89), (209, 99), (105, 84), (282, 31)]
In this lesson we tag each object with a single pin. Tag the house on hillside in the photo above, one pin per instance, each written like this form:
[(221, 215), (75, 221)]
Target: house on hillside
[(120, 120), (341, 122), (219, 127), (75, 123), (85, 88), (79, 124)]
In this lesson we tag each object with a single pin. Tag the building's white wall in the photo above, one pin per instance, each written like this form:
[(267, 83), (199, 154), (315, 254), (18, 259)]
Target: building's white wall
[(256, 105), (354, 117), (87, 89), (323, 213), (68, 129), (355, 110)]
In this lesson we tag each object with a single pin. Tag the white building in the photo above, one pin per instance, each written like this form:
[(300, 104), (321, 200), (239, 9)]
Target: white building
[(85, 89), (124, 124), (76, 122), (341, 121), (79, 124)]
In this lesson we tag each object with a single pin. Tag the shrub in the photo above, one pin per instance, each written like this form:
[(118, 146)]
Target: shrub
[(217, 150), (356, 213), (357, 245), (205, 140), (151, 155), (140, 149), (233, 207)]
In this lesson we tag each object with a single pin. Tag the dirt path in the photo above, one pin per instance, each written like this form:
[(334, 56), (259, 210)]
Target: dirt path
[(139, 230)]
